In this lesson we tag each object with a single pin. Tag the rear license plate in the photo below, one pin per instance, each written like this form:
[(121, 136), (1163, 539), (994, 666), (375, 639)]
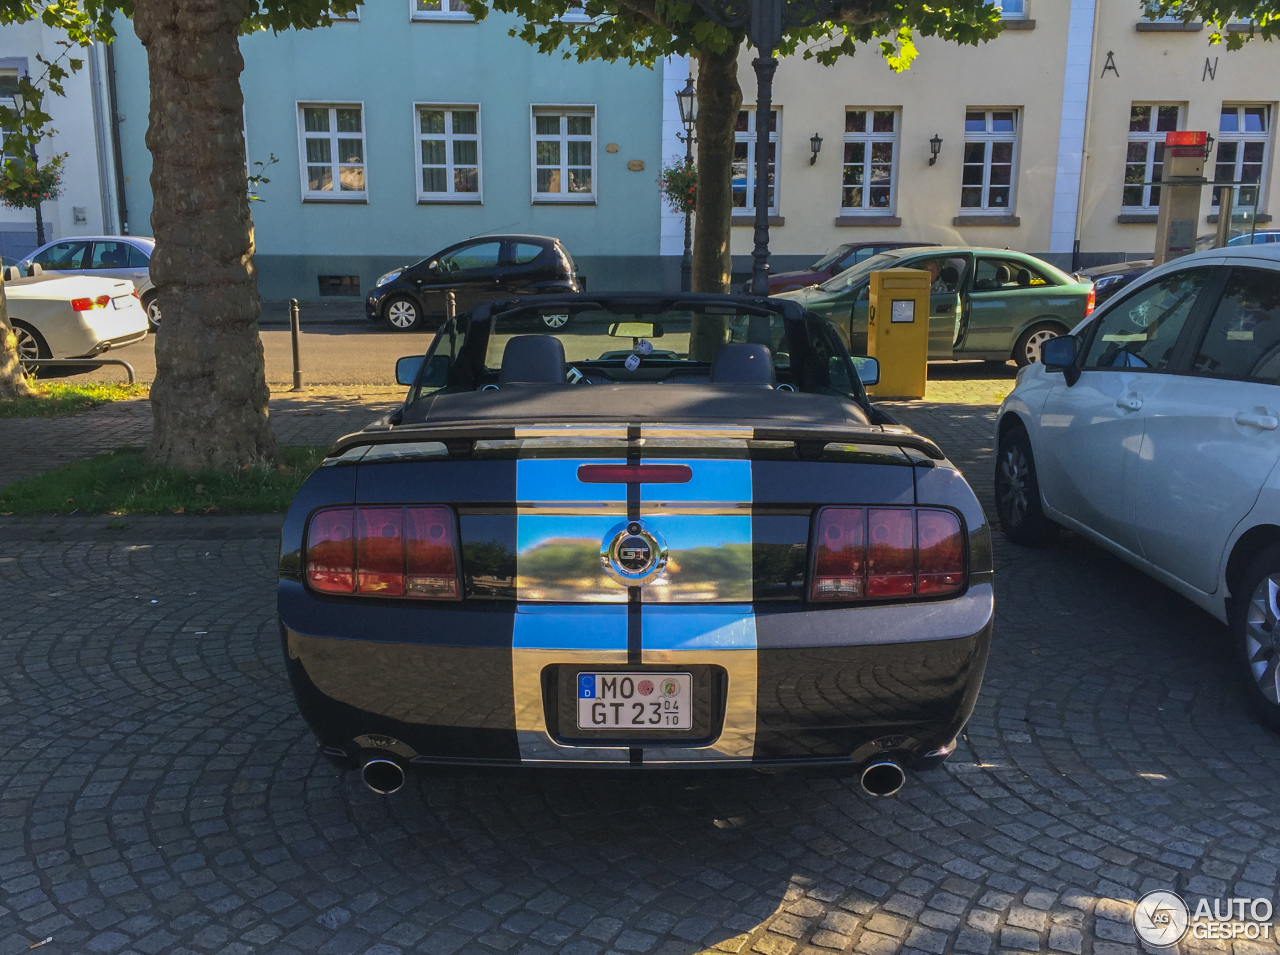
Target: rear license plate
[(121, 301), (636, 701)]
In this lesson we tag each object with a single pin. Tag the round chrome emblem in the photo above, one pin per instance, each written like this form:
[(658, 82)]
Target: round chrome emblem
[(633, 554)]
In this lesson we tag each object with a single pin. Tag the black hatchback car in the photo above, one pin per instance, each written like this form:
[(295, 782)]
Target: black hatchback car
[(476, 270)]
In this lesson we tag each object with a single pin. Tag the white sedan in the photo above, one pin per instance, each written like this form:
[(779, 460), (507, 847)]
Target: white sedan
[(1154, 430), (73, 316)]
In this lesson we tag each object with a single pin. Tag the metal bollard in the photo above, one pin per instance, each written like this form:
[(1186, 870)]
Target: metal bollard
[(297, 358), (450, 305)]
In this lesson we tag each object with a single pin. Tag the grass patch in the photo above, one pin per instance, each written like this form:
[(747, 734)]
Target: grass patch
[(122, 482), (59, 399)]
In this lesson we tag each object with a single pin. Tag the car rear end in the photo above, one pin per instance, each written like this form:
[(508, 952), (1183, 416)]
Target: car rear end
[(79, 316), (638, 594)]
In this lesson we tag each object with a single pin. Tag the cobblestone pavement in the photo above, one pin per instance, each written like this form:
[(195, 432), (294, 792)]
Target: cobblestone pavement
[(159, 793)]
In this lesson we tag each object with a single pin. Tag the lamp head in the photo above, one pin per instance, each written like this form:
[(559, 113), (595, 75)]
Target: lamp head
[(815, 143), (935, 147), (687, 100)]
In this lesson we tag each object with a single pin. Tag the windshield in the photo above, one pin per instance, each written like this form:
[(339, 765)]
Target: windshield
[(654, 341), (885, 260), (831, 258)]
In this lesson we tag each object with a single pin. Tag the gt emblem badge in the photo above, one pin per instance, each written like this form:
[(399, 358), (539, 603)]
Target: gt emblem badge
[(633, 554)]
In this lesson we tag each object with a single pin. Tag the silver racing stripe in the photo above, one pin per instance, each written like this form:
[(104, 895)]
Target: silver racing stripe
[(723, 636), (697, 612), (549, 635)]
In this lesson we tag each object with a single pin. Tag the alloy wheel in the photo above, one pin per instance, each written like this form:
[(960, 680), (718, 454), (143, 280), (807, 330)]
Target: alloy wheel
[(402, 314), (153, 312), (1012, 488), (28, 347), (555, 321), (1035, 341), (1262, 638)]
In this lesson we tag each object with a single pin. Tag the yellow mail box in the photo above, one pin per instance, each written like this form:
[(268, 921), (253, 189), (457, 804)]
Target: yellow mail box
[(898, 331)]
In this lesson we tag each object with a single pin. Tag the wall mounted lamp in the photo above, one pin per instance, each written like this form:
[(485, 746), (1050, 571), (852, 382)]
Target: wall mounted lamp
[(1208, 146), (815, 143), (935, 147)]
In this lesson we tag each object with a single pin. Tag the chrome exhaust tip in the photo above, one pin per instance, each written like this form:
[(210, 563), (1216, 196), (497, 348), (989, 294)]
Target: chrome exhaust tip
[(883, 777), (383, 776)]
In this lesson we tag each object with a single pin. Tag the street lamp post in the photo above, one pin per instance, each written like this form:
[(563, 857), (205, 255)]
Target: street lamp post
[(687, 100), (20, 104), (764, 22)]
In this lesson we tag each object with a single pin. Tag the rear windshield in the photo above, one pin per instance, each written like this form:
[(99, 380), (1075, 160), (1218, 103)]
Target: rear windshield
[(852, 276), (616, 344)]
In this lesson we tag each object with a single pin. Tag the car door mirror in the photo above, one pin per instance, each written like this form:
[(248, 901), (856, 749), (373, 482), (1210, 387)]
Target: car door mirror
[(433, 266), (1059, 354), (868, 370), (407, 369)]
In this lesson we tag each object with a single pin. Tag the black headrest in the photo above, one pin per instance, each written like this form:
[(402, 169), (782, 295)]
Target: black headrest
[(1002, 274), (743, 363), (533, 360), (1024, 277), (950, 276)]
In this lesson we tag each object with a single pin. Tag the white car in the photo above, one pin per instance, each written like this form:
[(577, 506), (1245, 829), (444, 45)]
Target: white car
[(73, 316), (110, 256), (1154, 430)]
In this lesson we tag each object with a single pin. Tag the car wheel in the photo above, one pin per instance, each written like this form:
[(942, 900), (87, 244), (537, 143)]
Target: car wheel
[(1018, 492), (555, 321), (403, 313), (31, 344), (1255, 633), (152, 304), (1027, 350)]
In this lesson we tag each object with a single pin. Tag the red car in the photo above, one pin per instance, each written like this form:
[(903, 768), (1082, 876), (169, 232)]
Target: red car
[(833, 263)]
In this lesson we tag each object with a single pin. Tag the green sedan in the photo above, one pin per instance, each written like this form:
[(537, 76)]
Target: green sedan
[(984, 303)]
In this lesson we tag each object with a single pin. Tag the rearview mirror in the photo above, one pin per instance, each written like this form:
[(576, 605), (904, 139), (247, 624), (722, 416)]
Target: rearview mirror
[(1059, 354), (635, 330), (407, 369), (868, 370)]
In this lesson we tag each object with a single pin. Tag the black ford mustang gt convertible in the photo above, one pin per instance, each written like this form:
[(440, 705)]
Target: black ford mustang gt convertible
[(671, 532)]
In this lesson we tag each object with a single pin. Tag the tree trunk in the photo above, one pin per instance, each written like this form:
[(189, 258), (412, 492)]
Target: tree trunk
[(12, 382), (209, 399), (719, 100)]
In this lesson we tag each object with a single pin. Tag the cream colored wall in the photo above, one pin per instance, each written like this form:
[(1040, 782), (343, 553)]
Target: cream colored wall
[(1162, 68), (1021, 68), (1018, 69)]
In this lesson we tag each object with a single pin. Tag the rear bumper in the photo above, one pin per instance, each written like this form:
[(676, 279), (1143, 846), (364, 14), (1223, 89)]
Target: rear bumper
[(475, 685)]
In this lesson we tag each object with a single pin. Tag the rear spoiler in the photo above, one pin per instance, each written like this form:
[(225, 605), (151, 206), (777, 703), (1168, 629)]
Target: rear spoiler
[(461, 438)]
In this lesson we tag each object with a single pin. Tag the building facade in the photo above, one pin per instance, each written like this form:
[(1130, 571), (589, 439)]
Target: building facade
[(412, 126), (1048, 135), (87, 205)]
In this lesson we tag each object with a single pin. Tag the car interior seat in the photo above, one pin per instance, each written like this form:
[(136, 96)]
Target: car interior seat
[(1024, 278), (743, 363), (1003, 276), (532, 360), (949, 275)]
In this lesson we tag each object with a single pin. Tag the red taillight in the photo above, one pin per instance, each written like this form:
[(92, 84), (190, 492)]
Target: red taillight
[(88, 304), (1090, 302), (891, 554), (939, 552), (884, 552), (384, 551), (839, 562), (331, 552)]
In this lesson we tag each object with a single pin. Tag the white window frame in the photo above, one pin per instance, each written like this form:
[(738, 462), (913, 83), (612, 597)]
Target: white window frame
[(563, 111), (1153, 139), (749, 137), (868, 138), (988, 137), (456, 12), (1013, 9), (334, 195), (1241, 137), (450, 137)]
